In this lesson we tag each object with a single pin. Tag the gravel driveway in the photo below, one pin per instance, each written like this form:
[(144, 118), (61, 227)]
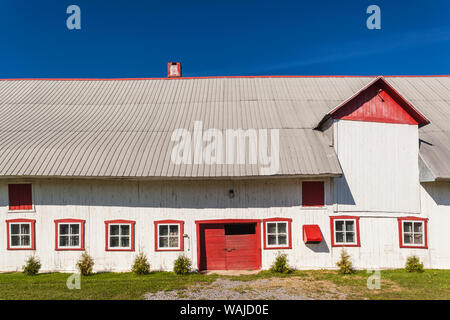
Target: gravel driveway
[(293, 288)]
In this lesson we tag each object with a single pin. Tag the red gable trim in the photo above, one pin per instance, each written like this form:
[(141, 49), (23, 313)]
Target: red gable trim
[(377, 102)]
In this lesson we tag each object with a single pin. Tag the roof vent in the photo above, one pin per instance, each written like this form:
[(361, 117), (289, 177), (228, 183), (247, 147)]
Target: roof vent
[(174, 70)]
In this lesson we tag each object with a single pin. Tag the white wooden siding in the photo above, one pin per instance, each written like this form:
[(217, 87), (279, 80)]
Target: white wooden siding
[(435, 200), (145, 202), (380, 166)]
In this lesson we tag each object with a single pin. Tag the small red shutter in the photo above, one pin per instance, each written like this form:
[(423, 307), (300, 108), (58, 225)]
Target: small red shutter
[(313, 194), (311, 233), (20, 197)]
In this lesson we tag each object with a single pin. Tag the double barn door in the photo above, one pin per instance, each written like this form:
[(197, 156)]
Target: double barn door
[(232, 246)]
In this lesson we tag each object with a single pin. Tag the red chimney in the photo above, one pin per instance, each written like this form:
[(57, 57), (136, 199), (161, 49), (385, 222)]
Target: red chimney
[(174, 70)]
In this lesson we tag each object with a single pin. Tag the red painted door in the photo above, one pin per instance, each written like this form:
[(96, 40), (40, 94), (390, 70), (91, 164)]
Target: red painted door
[(241, 247), (212, 247), (229, 246)]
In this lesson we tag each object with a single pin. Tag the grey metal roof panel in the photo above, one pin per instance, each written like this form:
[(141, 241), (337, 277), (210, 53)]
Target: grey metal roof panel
[(431, 95), (122, 128)]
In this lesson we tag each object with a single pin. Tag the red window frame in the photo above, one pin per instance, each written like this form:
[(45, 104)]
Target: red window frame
[(289, 230), (20, 197), (311, 192), (425, 232), (68, 221), (358, 240), (132, 234), (181, 230), (32, 234)]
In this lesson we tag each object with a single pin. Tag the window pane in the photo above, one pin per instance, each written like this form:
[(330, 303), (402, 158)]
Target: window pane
[(282, 227), (63, 241), (349, 225), (15, 229), (114, 230), (417, 226), (339, 237), (25, 229), (339, 225), (25, 240), (114, 242), (15, 241), (350, 237), (74, 229), (407, 227), (125, 229), (125, 242), (74, 241), (173, 242), (282, 240), (271, 239), (173, 230), (63, 229), (163, 242), (271, 227), (418, 238), (407, 238), (163, 230)]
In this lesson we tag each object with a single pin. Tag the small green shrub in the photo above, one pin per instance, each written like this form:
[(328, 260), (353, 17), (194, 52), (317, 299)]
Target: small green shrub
[(280, 265), (413, 264), (141, 265), (345, 265), (85, 264), (182, 265), (32, 266)]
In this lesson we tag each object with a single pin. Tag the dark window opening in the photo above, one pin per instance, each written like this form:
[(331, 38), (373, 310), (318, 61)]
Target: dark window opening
[(240, 228)]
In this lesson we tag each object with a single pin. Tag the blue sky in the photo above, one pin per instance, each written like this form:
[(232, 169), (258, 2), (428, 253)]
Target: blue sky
[(122, 39)]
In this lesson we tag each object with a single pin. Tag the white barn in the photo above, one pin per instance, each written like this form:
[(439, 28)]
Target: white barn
[(364, 163)]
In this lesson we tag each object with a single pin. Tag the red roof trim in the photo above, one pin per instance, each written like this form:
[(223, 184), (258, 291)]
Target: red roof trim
[(181, 78), (221, 77)]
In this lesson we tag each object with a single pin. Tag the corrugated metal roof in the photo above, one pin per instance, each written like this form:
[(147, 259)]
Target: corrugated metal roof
[(122, 128), (431, 96)]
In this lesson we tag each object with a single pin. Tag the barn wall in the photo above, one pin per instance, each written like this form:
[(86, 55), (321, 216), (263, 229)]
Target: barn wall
[(145, 202), (379, 162), (435, 200)]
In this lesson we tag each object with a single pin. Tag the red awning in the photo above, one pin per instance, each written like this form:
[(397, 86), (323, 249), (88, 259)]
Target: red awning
[(311, 233)]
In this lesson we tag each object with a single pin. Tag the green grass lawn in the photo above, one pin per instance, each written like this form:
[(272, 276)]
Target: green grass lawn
[(395, 284)]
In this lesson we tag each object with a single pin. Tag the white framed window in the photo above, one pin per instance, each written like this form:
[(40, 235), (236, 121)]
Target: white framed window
[(120, 236), (20, 235), (169, 235), (277, 233), (345, 231), (413, 233), (69, 234)]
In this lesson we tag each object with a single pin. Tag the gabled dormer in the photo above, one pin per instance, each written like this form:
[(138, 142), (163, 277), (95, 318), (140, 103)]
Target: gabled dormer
[(375, 136), (377, 102)]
